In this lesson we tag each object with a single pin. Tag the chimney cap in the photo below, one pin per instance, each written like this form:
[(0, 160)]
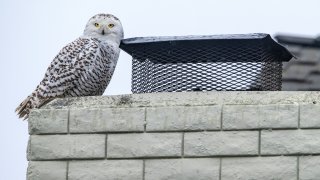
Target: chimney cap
[(187, 48)]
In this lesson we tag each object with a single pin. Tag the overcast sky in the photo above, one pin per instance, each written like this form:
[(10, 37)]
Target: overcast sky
[(33, 31)]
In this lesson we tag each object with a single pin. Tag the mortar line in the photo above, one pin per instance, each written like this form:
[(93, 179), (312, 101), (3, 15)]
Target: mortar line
[(299, 116), (143, 169), (259, 144), (221, 118), (145, 120), (68, 124), (182, 146), (177, 157), (174, 131), (298, 164), (105, 147), (220, 169), (67, 174)]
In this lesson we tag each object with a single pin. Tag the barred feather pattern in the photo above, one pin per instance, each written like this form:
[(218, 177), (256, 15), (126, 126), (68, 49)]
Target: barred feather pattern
[(82, 68)]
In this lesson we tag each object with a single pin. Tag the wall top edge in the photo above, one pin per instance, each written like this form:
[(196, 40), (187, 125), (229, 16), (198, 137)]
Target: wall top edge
[(187, 99)]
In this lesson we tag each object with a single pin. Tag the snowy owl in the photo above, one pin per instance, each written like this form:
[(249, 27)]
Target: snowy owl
[(82, 68)]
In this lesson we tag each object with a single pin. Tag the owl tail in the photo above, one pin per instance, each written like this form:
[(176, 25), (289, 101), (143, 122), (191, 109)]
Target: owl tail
[(32, 101), (23, 109)]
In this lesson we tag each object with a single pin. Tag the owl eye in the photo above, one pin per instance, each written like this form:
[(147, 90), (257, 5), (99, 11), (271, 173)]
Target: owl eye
[(111, 25), (96, 24)]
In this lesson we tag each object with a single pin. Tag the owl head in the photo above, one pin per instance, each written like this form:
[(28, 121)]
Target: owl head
[(105, 27)]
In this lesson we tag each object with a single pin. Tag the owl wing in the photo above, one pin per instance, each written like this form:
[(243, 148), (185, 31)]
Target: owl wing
[(68, 66), (71, 64)]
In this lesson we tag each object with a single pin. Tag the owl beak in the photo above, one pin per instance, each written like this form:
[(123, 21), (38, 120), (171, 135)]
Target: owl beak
[(103, 33)]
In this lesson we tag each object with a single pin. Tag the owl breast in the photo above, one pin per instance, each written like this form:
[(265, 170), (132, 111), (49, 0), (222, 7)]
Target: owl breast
[(95, 72)]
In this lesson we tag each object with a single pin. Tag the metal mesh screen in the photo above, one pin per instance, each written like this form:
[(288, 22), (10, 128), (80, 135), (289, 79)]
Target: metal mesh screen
[(219, 76), (206, 65)]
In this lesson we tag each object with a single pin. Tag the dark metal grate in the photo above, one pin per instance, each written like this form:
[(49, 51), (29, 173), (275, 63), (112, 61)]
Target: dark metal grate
[(206, 63)]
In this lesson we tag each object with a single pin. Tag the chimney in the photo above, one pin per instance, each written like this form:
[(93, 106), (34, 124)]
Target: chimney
[(193, 135)]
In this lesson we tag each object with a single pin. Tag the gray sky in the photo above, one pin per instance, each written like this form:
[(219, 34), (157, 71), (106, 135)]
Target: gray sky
[(33, 31)]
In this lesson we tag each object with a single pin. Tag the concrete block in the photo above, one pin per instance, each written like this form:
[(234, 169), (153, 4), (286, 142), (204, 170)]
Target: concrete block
[(43, 121), (260, 116), (309, 167), (182, 169), (50, 147), (266, 168), (48, 170), (107, 120), (106, 169), (284, 142), (144, 145), (183, 118), (221, 143), (310, 116)]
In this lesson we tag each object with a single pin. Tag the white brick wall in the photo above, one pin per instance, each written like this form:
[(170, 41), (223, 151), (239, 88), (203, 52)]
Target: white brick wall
[(144, 145), (51, 147), (183, 118), (217, 135), (107, 120), (105, 169), (222, 143), (284, 168), (190, 169), (260, 116)]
